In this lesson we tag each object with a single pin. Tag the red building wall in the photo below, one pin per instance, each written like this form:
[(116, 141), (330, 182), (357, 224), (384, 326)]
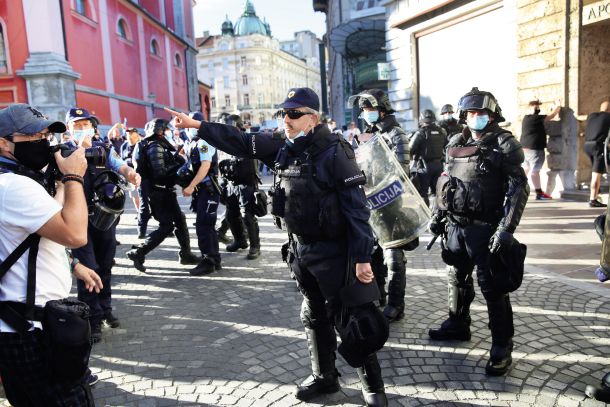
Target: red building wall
[(13, 88)]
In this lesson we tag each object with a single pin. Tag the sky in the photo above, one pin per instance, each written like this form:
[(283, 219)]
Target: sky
[(285, 17)]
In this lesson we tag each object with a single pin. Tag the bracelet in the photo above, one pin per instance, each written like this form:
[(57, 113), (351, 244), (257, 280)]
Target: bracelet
[(73, 177)]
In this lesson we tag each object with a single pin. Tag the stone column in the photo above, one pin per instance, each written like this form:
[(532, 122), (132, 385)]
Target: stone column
[(49, 78)]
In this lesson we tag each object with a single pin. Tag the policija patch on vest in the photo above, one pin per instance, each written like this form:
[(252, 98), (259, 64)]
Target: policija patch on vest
[(203, 149), (386, 195)]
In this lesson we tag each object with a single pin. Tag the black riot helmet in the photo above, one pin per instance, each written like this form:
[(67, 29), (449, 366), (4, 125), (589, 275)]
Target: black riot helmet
[(447, 109), (375, 98), (155, 127), (108, 199), (185, 174), (479, 100), (426, 117)]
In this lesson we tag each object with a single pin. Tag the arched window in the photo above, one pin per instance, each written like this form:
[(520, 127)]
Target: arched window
[(154, 47), (177, 60), (121, 29), (3, 53)]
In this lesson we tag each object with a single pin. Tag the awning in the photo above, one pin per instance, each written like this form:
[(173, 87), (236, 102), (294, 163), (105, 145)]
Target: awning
[(358, 37)]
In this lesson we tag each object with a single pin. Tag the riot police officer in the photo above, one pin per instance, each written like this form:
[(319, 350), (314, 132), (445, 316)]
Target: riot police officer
[(377, 112), (480, 199), (426, 146), (205, 192), (158, 162), (98, 253), (242, 176), (448, 122), (319, 214)]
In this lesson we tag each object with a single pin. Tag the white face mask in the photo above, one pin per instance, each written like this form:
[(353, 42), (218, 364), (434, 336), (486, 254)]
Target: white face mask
[(477, 123), (79, 135)]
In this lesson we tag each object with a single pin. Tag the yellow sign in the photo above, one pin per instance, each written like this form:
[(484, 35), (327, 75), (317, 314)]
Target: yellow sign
[(596, 11)]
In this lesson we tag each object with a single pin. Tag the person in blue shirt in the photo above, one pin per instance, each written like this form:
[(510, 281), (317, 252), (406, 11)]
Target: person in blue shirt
[(98, 254), (206, 195)]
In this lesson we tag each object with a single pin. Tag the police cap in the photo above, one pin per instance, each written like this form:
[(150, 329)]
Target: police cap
[(79, 113), (301, 97)]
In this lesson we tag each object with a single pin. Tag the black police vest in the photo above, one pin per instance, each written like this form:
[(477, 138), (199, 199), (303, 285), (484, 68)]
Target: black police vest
[(435, 143), (196, 162), (309, 209), (473, 185)]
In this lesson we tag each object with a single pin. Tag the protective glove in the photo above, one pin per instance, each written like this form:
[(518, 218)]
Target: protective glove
[(438, 223), (501, 240)]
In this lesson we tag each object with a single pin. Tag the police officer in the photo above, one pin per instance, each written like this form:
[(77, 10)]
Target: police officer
[(327, 219), (448, 122), (242, 176), (98, 253), (377, 112), (426, 146), (482, 195), (206, 194), (143, 191), (159, 161)]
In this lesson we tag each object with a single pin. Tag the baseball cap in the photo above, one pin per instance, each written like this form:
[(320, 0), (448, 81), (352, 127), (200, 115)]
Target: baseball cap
[(301, 97), (24, 119), (78, 113), (132, 130)]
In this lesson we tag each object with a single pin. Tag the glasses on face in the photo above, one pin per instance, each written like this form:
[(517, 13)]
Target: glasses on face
[(32, 138), (292, 114)]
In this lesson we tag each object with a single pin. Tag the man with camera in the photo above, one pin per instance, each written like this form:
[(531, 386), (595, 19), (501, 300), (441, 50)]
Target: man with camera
[(158, 163), (98, 254), (31, 219)]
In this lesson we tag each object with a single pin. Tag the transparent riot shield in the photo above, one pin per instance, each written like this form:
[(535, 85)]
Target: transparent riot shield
[(398, 213)]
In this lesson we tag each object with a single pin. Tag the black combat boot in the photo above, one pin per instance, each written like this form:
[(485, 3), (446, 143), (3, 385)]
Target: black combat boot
[(137, 256), (502, 331), (397, 264), (601, 393), (222, 231), (457, 326), (205, 266), (371, 381), (188, 258), (253, 236), (325, 377)]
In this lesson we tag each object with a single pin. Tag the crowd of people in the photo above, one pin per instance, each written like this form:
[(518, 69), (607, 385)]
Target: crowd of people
[(70, 191)]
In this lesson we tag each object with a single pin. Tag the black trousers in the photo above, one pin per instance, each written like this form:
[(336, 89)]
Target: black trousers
[(144, 209), (98, 255), (166, 210), (26, 379), (207, 212)]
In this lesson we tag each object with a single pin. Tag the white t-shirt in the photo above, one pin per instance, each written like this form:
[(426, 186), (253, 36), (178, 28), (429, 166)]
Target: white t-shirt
[(24, 208)]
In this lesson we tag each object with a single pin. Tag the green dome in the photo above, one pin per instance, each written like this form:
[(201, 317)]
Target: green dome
[(249, 23)]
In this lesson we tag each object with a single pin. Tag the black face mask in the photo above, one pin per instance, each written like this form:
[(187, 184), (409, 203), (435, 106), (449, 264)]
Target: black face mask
[(33, 154), (536, 111)]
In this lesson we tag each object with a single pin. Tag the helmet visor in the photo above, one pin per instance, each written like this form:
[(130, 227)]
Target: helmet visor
[(361, 98), (477, 102)]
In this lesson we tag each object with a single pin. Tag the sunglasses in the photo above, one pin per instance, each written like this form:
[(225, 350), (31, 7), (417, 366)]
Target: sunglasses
[(292, 114)]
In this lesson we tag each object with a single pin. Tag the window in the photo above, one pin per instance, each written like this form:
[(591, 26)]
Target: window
[(260, 100), (225, 63), (244, 80), (213, 102), (3, 57), (177, 60), (81, 7), (243, 61), (225, 80), (246, 99), (122, 30), (227, 100), (154, 47)]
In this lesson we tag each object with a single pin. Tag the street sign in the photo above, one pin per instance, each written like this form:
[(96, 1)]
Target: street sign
[(596, 11), (383, 71)]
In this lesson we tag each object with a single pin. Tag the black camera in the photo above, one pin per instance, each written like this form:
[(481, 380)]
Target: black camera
[(95, 155)]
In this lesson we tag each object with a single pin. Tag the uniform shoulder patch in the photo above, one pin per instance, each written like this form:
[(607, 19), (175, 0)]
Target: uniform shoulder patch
[(203, 148)]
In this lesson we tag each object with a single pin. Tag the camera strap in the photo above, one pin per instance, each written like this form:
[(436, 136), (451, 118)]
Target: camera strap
[(15, 314)]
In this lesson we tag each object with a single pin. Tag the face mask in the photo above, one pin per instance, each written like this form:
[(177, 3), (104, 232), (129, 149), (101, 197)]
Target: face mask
[(536, 111), (448, 116), (34, 155), (370, 117), (79, 135), (477, 123), (169, 137)]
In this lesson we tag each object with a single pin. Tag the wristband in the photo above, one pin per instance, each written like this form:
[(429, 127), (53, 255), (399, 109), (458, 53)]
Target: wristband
[(73, 177)]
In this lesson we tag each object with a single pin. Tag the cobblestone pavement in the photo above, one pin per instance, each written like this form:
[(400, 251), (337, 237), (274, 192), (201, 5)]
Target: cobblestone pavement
[(235, 338)]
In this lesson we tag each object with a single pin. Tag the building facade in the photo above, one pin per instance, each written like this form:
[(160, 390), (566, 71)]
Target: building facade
[(355, 40), (119, 58), (248, 71), (518, 49)]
